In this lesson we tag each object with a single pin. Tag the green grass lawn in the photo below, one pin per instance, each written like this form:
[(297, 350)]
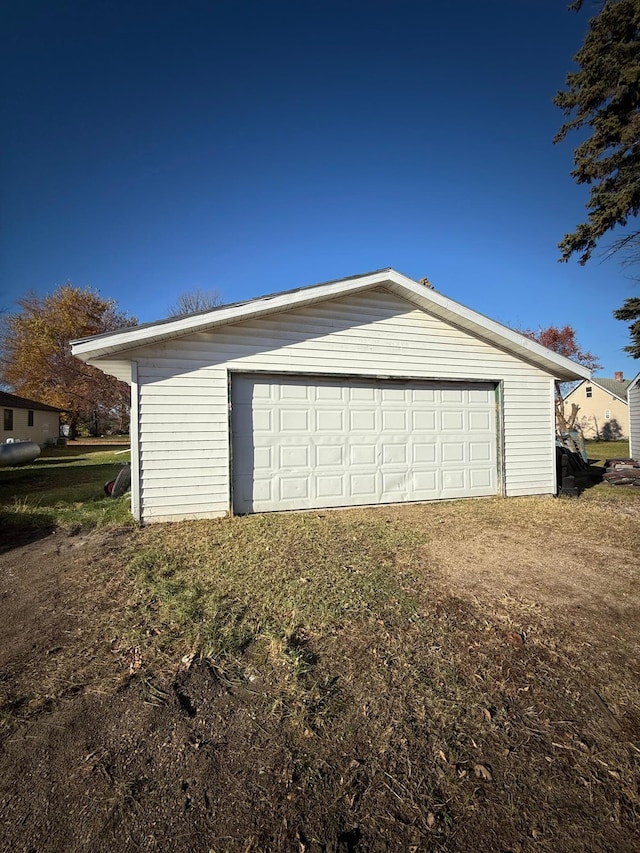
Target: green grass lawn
[(600, 451), (64, 487)]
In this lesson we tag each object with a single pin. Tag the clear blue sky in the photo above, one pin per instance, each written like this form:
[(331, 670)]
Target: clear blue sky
[(154, 147)]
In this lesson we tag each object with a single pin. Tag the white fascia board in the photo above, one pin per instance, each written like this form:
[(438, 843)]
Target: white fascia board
[(634, 382), (100, 345), (429, 300), (493, 332)]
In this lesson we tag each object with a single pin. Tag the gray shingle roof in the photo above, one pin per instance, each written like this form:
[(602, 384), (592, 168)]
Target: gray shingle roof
[(613, 386)]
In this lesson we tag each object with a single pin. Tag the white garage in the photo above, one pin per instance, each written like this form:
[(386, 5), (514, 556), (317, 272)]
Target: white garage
[(633, 398), (299, 443), (367, 390)]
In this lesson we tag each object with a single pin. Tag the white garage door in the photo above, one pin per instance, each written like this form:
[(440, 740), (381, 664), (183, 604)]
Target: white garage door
[(299, 443)]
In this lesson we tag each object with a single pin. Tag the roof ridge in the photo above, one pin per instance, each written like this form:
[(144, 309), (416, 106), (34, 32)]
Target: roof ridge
[(8, 399)]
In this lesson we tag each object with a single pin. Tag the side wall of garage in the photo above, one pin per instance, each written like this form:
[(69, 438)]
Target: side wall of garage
[(183, 390), (633, 395)]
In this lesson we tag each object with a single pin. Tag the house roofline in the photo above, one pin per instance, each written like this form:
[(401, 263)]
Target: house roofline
[(18, 402), (593, 381), (429, 300)]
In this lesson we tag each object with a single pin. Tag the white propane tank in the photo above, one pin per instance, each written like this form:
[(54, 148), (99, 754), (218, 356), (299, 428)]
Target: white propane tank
[(14, 452)]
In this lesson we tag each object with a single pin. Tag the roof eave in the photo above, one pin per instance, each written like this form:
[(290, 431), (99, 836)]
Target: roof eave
[(429, 300), (114, 342), (634, 382)]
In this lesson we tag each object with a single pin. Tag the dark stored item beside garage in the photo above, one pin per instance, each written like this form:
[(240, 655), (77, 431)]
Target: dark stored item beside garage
[(622, 472)]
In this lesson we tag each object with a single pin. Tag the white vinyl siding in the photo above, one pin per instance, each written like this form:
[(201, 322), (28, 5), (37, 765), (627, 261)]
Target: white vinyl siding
[(634, 419), (184, 405)]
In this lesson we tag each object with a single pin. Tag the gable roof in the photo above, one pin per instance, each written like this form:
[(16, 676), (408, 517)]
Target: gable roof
[(119, 343), (15, 402), (616, 387)]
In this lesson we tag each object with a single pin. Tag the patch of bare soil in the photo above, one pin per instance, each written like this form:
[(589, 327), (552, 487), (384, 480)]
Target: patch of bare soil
[(502, 717)]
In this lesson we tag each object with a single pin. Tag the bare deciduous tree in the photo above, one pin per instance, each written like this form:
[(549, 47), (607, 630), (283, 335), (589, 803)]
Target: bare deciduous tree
[(193, 301)]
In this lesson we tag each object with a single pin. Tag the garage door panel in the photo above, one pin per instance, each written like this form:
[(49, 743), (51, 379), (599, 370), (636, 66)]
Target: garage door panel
[(309, 442), (294, 457), (453, 451), (262, 421), (331, 392), (479, 451), (362, 394), (293, 420), (394, 420), (294, 392), (423, 421), (395, 395), (423, 452), (452, 395), (425, 483), (329, 456), (480, 478), (330, 420), (363, 486), (394, 483), (454, 480), (330, 486), (480, 421), (263, 458), (480, 396), (362, 420), (451, 420), (294, 487), (423, 395), (394, 454), (249, 490), (363, 454)]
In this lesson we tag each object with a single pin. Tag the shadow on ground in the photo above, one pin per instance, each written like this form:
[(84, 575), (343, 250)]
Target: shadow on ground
[(21, 528)]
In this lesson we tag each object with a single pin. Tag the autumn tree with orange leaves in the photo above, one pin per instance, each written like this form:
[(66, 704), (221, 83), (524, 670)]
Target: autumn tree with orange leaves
[(36, 360), (563, 341)]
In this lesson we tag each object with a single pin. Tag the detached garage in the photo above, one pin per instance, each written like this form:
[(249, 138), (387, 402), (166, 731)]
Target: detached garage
[(372, 389)]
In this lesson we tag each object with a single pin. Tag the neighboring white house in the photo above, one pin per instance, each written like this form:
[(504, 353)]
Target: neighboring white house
[(28, 420), (371, 389), (633, 397), (604, 411)]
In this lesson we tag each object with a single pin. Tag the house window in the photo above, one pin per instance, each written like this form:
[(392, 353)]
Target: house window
[(607, 414), (589, 390), (8, 419), (29, 417)]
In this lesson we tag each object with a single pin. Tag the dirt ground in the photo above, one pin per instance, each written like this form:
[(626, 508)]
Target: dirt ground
[(99, 755)]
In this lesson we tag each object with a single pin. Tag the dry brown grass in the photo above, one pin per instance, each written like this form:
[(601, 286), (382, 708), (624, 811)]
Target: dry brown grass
[(455, 676)]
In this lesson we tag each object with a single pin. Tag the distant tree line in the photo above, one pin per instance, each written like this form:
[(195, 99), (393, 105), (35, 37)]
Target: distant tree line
[(36, 360)]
